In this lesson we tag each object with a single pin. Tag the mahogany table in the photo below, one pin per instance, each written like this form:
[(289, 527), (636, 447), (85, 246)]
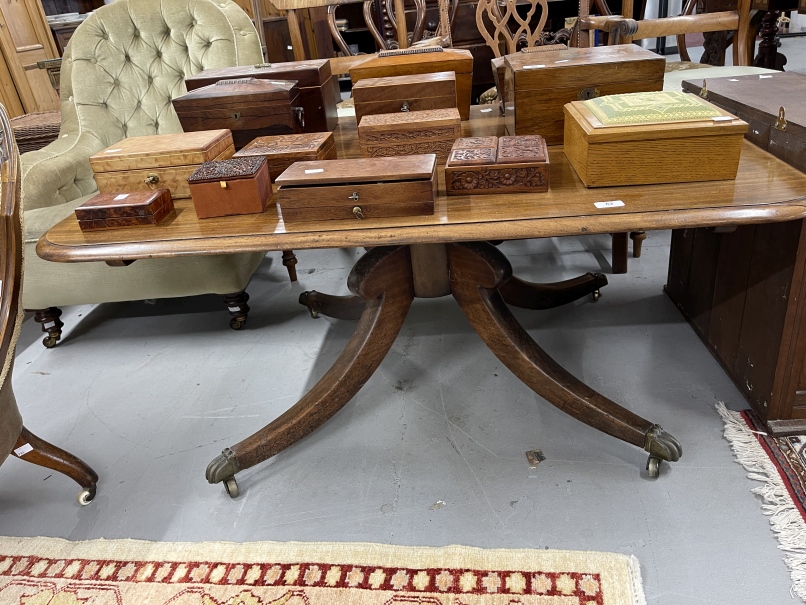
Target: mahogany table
[(448, 254)]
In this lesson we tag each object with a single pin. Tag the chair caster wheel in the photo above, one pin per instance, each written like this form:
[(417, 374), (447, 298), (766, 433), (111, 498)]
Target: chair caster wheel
[(596, 295), (236, 324), (85, 496), (653, 467), (231, 487), (50, 341)]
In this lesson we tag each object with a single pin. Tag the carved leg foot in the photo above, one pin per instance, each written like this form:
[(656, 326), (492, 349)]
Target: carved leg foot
[(51, 325), (238, 309), (637, 238), (526, 295), (338, 307), (289, 262), (32, 449), (619, 259), (383, 279)]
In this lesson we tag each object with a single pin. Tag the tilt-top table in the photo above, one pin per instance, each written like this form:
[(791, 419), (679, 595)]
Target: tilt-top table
[(448, 253)]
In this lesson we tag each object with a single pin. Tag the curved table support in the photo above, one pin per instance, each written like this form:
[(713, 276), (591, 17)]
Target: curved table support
[(538, 297), (338, 307)]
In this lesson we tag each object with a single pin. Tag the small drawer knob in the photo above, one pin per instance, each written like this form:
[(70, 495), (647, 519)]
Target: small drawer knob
[(358, 213), (151, 179)]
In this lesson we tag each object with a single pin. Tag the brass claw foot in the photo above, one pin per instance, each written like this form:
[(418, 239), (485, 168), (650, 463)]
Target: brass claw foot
[(223, 469), (661, 446)]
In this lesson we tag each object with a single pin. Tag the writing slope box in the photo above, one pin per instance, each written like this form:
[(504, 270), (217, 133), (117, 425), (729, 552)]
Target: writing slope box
[(422, 61), (160, 161), (236, 186), (537, 85), (282, 151), (248, 107), (404, 93), (409, 133), (363, 189), (651, 138), (318, 87), (112, 211)]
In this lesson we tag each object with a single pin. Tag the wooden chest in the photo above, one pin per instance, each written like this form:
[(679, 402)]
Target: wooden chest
[(318, 87), (404, 93), (161, 161), (774, 105), (537, 85), (422, 61), (360, 189), (235, 186), (112, 211), (410, 133), (248, 107), (651, 138), (483, 165), (282, 151)]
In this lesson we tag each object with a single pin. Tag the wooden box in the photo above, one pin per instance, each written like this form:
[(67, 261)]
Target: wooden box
[(773, 104), (160, 161), (282, 151), (248, 107), (483, 165), (112, 211), (235, 186), (410, 133), (360, 189), (537, 85), (499, 66), (318, 87), (651, 138), (404, 93), (422, 61)]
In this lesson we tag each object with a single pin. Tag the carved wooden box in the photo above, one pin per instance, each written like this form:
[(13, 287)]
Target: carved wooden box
[(318, 87), (160, 161), (248, 107), (409, 133), (484, 165), (112, 211), (235, 186), (537, 85), (282, 151), (651, 138), (404, 93), (358, 190), (422, 61)]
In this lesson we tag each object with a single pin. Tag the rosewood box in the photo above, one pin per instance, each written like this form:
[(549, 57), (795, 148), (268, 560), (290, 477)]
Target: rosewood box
[(404, 93), (409, 133), (318, 87), (236, 186), (160, 161), (360, 189), (112, 211), (248, 107), (282, 151)]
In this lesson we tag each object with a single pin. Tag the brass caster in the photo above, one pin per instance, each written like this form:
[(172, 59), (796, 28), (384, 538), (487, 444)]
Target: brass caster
[(85, 496), (596, 295), (314, 313), (50, 341), (231, 487), (653, 467), (236, 324)]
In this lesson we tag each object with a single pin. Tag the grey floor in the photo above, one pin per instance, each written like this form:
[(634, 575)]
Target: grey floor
[(793, 48), (149, 393)]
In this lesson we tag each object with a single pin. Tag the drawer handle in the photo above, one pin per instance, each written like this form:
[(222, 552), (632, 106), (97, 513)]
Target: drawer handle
[(151, 179), (358, 213), (405, 106)]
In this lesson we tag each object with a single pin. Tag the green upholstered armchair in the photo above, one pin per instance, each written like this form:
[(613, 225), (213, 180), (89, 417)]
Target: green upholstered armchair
[(121, 70)]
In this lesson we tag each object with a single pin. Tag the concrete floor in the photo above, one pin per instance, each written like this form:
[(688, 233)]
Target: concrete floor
[(149, 393)]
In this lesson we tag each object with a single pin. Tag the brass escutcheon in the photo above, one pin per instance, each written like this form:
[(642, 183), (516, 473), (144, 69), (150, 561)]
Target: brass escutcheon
[(780, 123), (358, 213), (151, 179), (236, 115), (404, 106), (587, 93)]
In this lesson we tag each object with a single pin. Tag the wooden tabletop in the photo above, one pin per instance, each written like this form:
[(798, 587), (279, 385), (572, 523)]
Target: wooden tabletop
[(766, 190)]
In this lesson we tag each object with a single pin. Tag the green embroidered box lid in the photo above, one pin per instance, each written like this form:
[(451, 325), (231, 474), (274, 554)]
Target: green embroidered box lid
[(650, 108)]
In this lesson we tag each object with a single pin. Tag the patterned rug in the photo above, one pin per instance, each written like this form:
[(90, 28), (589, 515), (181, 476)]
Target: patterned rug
[(49, 571), (780, 463)]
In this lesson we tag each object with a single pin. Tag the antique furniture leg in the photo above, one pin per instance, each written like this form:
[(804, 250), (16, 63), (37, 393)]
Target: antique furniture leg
[(619, 253), (768, 55), (238, 309), (383, 278), (637, 238), (526, 295), (51, 325), (338, 307), (289, 262), (52, 457), (477, 270)]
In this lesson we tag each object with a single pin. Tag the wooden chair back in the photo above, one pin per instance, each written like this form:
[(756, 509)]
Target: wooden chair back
[(384, 43), (500, 24)]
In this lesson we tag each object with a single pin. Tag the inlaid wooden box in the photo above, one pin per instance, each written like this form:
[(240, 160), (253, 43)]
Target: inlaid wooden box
[(410, 133), (360, 189), (282, 151), (112, 211), (483, 165), (651, 138), (248, 107), (422, 61), (404, 93), (235, 186), (318, 87), (160, 161), (537, 85)]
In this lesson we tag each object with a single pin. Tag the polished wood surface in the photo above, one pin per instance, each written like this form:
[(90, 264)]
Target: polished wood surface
[(404, 93)]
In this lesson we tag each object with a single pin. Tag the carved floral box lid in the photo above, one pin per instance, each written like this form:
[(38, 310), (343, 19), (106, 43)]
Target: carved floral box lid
[(405, 120), (291, 146), (223, 170)]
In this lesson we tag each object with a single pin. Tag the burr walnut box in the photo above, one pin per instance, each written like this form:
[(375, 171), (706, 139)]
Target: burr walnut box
[(318, 87), (235, 186), (248, 107), (404, 93), (112, 211), (160, 161), (537, 85), (360, 189), (409, 133), (282, 151), (481, 165)]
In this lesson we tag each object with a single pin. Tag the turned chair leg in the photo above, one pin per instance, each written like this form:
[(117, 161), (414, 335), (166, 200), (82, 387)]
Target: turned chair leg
[(238, 309), (620, 249), (289, 262), (51, 325), (637, 238)]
